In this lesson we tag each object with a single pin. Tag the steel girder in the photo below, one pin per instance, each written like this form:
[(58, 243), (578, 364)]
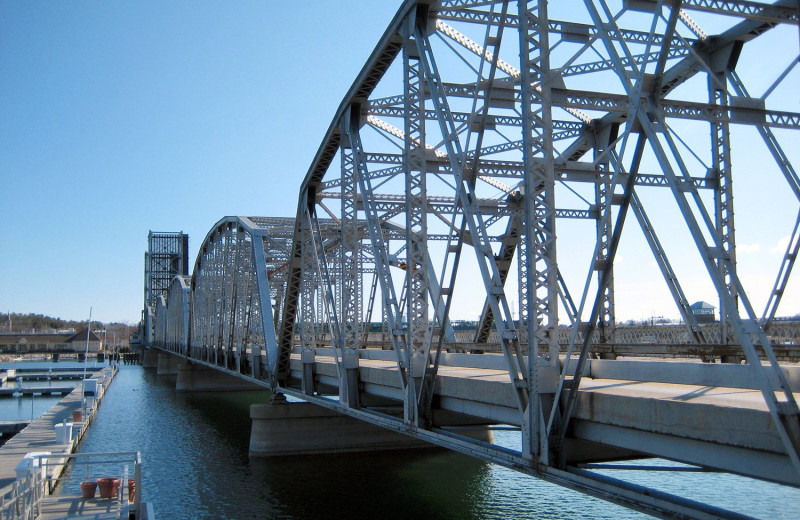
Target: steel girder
[(716, 254), (308, 316), (521, 119), (238, 274), (538, 264), (417, 283), (160, 316), (350, 280), (578, 108), (179, 303)]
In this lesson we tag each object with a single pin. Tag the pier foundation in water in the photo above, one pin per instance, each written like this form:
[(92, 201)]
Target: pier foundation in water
[(168, 364), (282, 428), (193, 377)]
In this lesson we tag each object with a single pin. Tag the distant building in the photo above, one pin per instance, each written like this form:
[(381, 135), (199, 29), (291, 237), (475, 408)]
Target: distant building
[(42, 342), (703, 312)]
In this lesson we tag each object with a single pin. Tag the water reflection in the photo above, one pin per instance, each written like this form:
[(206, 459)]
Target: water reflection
[(195, 452)]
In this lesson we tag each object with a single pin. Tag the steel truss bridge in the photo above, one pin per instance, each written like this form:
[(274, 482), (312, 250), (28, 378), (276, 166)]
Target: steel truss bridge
[(484, 147)]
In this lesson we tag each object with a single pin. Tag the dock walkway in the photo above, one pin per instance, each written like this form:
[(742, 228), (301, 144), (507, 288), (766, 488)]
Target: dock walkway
[(40, 436), (62, 507)]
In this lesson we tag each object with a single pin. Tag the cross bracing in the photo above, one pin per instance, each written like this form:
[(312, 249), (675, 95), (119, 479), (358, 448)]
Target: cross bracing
[(489, 163)]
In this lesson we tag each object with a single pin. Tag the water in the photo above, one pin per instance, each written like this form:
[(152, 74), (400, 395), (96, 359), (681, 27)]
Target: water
[(195, 466), (29, 408), (25, 408)]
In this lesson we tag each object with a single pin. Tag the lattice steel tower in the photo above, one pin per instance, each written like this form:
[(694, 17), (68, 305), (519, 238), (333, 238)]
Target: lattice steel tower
[(167, 256)]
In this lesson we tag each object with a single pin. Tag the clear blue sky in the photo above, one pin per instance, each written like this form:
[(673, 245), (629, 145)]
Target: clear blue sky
[(119, 117)]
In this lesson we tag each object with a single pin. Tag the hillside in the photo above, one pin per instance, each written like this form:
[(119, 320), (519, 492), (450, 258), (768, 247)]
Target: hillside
[(27, 323)]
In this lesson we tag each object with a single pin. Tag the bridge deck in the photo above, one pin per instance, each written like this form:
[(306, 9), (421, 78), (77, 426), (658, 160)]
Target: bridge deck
[(712, 426)]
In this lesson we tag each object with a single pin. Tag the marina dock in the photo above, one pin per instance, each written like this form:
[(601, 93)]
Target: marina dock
[(40, 434), (50, 441), (52, 374), (36, 390), (11, 428)]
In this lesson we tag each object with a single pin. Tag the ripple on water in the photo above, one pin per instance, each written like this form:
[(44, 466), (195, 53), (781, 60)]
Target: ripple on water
[(195, 466)]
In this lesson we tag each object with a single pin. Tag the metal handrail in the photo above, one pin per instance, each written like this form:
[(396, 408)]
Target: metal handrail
[(22, 500)]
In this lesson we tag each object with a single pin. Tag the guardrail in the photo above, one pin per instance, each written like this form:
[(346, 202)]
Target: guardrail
[(114, 476)]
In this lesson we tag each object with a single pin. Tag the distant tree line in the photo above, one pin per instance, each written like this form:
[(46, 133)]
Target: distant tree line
[(27, 322)]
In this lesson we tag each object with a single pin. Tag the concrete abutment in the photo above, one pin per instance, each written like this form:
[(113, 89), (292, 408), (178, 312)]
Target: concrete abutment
[(150, 358), (167, 364), (193, 377), (281, 428)]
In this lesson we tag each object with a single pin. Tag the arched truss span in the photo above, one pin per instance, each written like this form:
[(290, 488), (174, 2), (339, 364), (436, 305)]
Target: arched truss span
[(223, 314), (160, 323), (486, 162), (179, 304)]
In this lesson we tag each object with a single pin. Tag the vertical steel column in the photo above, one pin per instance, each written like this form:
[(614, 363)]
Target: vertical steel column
[(229, 286), (373, 289), (538, 240), (523, 279), (350, 278), (723, 194), (186, 306), (391, 307), (217, 284), (235, 268), (416, 212), (307, 318), (603, 193), (320, 325), (467, 202)]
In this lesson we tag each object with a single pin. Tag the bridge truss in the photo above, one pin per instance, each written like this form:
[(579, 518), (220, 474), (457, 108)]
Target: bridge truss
[(484, 147)]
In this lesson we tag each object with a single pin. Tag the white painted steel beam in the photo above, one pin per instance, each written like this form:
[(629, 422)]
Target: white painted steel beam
[(478, 125)]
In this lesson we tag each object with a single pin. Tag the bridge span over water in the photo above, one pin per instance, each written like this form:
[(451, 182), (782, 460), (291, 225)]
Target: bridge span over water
[(490, 161)]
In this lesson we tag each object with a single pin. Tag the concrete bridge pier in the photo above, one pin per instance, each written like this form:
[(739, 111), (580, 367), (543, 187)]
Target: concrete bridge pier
[(150, 358), (167, 364), (281, 428), (193, 377)]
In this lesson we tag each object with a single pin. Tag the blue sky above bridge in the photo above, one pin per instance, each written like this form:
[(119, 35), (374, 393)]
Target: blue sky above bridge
[(123, 117)]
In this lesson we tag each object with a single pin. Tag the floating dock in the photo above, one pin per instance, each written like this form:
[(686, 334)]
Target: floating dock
[(36, 390), (11, 428), (51, 374), (40, 434), (45, 437)]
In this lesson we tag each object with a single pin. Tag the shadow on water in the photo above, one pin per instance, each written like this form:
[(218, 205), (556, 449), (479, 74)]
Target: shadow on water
[(388, 485), (195, 451), (355, 485), (195, 446)]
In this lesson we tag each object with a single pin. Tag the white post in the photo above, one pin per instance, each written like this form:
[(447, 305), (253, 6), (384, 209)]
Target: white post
[(85, 361)]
